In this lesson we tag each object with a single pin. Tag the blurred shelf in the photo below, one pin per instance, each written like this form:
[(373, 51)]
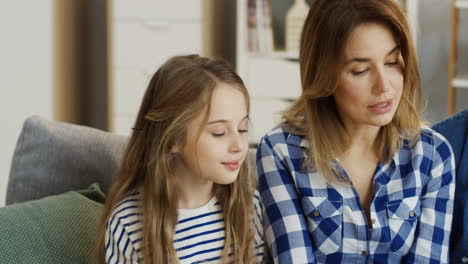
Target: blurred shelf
[(276, 55), (461, 4), (460, 82), (456, 80)]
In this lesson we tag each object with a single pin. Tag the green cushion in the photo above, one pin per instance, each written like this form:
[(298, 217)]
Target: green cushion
[(55, 229)]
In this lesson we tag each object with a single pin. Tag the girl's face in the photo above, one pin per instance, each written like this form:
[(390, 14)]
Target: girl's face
[(223, 143), (371, 82)]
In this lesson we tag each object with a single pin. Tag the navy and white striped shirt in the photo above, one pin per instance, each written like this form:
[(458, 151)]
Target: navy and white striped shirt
[(198, 238), (308, 220)]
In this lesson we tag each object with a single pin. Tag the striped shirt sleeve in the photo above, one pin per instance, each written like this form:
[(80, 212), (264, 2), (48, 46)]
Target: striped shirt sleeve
[(258, 225), (119, 247), (433, 231)]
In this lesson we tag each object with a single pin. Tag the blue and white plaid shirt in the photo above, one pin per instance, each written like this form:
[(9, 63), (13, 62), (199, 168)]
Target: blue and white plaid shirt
[(308, 220)]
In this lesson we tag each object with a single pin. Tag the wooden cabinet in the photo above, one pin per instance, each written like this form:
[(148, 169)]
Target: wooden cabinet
[(143, 35)]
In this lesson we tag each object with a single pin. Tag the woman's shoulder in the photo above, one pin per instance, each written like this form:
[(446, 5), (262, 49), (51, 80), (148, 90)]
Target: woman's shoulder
[(278, 131), (430, 144), (284, 133), (433, 141)]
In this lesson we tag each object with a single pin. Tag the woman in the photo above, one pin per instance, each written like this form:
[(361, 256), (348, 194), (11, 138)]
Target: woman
[(352, 175)]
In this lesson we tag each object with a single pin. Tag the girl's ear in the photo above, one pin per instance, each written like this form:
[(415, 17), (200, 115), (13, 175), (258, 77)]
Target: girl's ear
[(175, 148)]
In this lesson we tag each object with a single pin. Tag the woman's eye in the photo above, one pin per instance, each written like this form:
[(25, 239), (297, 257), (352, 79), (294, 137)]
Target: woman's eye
[(217, 134), (391, 63), (243, 131), (359, 72)]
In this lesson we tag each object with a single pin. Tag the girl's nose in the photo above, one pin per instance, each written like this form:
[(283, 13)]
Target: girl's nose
[(236, 143)]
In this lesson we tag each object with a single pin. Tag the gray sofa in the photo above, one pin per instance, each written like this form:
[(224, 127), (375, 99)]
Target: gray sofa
[(47, 221), (55, 192), (53, 157)]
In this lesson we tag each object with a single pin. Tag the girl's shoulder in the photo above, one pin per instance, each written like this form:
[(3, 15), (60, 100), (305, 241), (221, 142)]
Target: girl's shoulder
[(129, 205), (258, 227), (258, 206), (124, 229)]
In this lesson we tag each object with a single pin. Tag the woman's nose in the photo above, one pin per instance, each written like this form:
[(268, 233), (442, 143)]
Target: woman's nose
[(382, 83)]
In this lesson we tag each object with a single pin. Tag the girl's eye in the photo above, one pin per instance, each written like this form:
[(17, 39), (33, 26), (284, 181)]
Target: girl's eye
[(392, 63), (217, 134), (359, 72), (243, 131)]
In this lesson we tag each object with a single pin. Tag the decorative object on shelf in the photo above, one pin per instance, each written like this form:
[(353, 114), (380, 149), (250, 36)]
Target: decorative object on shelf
[(252, 38), (273, 78), (259, 26), (265, 26), (295, 18)]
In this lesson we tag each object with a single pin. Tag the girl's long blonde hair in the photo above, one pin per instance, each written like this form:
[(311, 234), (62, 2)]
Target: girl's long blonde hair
[(179, 92), (314, 115)]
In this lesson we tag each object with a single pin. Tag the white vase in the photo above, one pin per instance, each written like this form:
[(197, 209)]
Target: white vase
[(295, 18)]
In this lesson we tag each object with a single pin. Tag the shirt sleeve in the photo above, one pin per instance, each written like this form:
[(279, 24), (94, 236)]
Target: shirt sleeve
[(285, 228), (432, 235), (258, 224), (119, 247)]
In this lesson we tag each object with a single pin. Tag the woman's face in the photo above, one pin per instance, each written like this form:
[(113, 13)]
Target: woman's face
[(216, 156), (371, 82)]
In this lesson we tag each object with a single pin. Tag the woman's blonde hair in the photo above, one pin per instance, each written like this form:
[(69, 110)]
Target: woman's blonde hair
[(180, 91), (314, 115)]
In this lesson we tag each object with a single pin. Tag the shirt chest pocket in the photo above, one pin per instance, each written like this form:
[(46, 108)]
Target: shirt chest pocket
[(324, 221), (403, 218)]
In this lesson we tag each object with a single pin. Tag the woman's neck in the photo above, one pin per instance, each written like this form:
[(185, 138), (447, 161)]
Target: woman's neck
[(363, 139)]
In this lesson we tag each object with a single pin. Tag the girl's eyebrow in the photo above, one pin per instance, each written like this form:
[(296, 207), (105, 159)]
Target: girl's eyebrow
[(224, 120), (395, 49)]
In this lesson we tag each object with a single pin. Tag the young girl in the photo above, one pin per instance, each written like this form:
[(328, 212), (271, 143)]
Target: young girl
[(351, 176), (184, 193)]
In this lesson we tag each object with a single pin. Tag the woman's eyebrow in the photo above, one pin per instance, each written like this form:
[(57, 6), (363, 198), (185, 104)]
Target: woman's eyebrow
[(356, 59), (395, 49)]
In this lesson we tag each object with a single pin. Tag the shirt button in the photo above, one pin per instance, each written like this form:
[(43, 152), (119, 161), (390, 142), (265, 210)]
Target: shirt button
[(464, 259), (364, 253), (411, 214), (373, 221), (316, 213)]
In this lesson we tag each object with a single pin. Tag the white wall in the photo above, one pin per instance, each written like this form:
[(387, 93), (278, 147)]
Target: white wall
[(26, 71)]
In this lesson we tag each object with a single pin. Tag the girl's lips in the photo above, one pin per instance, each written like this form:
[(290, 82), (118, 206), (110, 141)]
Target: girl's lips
[(233, 165), (382, 107)]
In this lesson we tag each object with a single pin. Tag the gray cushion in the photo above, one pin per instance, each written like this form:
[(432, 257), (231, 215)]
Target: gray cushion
[(53, 157)]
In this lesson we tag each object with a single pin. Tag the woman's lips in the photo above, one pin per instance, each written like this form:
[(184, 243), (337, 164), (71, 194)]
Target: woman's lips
[(382, 107)]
